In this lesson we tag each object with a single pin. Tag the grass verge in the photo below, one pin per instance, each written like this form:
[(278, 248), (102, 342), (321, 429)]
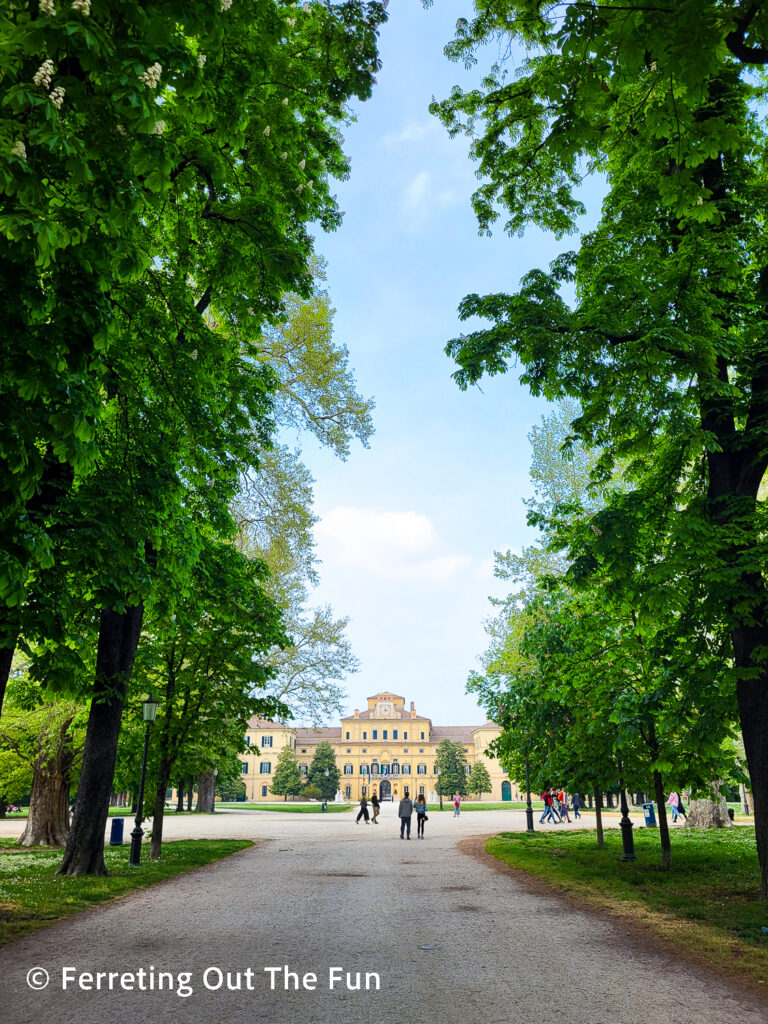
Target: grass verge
[(293, 808), (708, 904), (32, 895)]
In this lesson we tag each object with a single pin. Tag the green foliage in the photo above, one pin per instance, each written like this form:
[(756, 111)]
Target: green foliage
[(479, 779), (450, 764), (313, 792), (324, 760), (286, 778)]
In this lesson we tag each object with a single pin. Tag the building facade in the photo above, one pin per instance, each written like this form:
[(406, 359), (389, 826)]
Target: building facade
[(385, 750)]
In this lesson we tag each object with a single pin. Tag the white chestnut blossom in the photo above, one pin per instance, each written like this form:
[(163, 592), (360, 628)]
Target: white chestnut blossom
[(47, 7), (151, 77), (291, 22), (283, 156), (251, 311), (44, 74), (302, 164), (19, 149), (226, 4), (56, 96), (267, 130), (310, 184), (159, 128), (120, 129), (201, 59), (193, 354), (285, 102), (82, 7), (299, 188)]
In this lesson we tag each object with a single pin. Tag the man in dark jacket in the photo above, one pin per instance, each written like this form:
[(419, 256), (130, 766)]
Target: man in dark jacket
[(363, 812), (404, 813)]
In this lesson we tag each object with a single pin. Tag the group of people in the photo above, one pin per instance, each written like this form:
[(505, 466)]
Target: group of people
[(405, 812), (556, 806)]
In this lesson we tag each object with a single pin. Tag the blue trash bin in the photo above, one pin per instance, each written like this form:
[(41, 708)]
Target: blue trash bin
[(116, 835), (324, 806), (649, 812)]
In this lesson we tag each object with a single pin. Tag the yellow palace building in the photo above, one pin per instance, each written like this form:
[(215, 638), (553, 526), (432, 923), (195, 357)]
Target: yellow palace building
[(383, 750)]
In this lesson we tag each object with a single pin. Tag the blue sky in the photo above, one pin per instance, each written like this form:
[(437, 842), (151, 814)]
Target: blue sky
[(408, 528)]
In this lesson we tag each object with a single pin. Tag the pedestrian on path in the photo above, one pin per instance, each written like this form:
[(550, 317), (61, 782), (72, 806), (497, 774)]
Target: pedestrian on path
[(376, 808), (363, 812), (421, 815), (562, 805), (673, 801), (576, 804), (549, 812), (681, 806), (456, 804), (404, 812)]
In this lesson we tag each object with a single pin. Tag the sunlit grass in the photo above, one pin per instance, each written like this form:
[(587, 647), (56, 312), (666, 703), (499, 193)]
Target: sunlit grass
[(32, 895)]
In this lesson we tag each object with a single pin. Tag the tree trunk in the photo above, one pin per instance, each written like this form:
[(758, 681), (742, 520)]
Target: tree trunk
[(180, 797), (3, 806), (589, 800), (709, 813), (753, 711), (190, 793), (48, 821), (206, 783), (119, 635), (599, 818), (156, 843), (9, 633), (666, 845), (609, 799), (744, 794)]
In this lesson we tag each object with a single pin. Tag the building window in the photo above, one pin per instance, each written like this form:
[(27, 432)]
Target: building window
[(264, 790), (421, 769), (421, 750), (247, 741), (363, 769), (348, 769), (365, 735), (374, 768), (303, 750), (422, 735), (347, 735), (405, 750), (467, 769), (405, 769), (375, 734), (365, 751), (405, 735), (384, 734), (421, 791), (244, 767), (394, 734), (266, 741), (303, 769), (348, 791), (385, 769), (265, 768), (349, 750)]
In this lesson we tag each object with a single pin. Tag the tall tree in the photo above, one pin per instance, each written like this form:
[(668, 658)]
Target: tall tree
[(479, 780), (286, 778), (670, 287), (323, 772), (451, 768)]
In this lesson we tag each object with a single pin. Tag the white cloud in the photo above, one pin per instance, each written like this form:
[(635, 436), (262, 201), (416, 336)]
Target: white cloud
[(416, 192), (388, 544), (414, 131)]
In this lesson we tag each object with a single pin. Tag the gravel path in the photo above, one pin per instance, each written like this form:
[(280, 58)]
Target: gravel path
[(451, 939)]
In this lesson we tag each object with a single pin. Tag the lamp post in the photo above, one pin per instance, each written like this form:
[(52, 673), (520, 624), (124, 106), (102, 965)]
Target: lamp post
[(326, 773), (134, 858), (528, 807), (627, 839), (213, 801)]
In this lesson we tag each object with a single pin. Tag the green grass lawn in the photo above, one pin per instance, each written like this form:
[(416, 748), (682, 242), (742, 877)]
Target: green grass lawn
[(32, 895), (708, 904), (293, 808)]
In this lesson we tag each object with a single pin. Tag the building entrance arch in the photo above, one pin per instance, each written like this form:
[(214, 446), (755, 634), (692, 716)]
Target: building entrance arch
[(385, 790), (506, 790)]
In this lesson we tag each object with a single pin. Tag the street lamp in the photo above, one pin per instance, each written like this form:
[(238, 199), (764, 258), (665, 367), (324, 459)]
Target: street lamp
[(149, 713), (627, 839), (528, 808)]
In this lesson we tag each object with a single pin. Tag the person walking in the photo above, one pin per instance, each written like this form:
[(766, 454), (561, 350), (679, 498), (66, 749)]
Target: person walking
[(404, 812), (376, 808), (562, 805), (549, 812), (363, 812), (456, 804), (576, 800), (421, 815), (673, 801), (681, 806)]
